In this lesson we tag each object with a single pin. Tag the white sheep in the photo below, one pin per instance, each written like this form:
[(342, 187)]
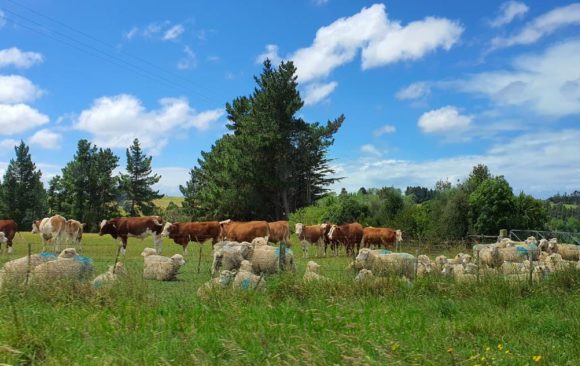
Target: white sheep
[(246, 280), (364, 275), (229, 255), (424, 266), (266, 259), (160, 268), (223, 281), (567, 251), (15, 270), (397, 263), (461, 272), (111, 276), (68, 266), (312, 272), (259, 241), (513, 267)]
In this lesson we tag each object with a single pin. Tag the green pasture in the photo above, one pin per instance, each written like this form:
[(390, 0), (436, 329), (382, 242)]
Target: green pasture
[(388, 322)]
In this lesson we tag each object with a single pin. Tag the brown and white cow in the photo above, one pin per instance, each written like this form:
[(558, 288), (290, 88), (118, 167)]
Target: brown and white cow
[(74, 233), (279, 232), (184, 232), (9, 228), (243, 230), (311, 234), (137, 227), (348, 234), (51, 230), (381, 237)]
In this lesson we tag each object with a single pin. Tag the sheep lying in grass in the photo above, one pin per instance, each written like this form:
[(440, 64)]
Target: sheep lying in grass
[(223, 281), (364, 275), (111, 276), (68, 266), (15, 271), (229, 255), (246, 280), (424, 266), (567, 251), (160, 268), (494, 257), (312, 272), (514, 267), (395, 263), (461, 272)]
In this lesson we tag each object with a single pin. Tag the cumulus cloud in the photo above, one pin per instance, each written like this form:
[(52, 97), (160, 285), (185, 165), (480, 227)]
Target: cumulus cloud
[(509, 11), (18, 118), (171, 178), (17, 58), (370, 149), (271, 53), (17, 89), (386, 129), (541, 26), (555, 154), (381, 41), (317, 92), (414, 91), (173, 33), (46, 138), (115, 121), (189, 59), (443, 120), (8, 145)]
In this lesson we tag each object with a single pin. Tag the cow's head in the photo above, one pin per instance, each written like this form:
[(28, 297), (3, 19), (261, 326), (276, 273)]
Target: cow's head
[(399, 235), (299, 228), (36, 226), (108, 227), (333, 233), (224, 225), (168, 229)]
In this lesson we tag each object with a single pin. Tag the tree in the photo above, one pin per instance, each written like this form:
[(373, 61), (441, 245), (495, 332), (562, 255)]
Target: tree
[(23, 197), (478, 175), (530, 213), (56, 196), (136, 184), (492, 206), (189, 191), (273, 162)]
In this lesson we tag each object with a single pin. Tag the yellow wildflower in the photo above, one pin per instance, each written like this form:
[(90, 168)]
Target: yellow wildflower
[(499, 346), (395, 346), (507, 351), (450, 349), (537, 358), (472, 357)]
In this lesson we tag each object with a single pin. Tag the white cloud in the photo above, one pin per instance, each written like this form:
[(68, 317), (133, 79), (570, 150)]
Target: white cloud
[(555, 154), (320, 2), (386, 129), (443, 120), (541, 26), (115, 121), (270, 53), (173, 33), (8, 145), (15, 57), (546, 83), (2, 19), (370, 149), (18, 118), (382, 42), (132, 33), (414, 91), (509, 11), (171, 178), (317, 92), (17, 89), (188, 61), (46, 138)]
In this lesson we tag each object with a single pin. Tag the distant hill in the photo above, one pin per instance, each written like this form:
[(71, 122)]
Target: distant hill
[(164, 202)]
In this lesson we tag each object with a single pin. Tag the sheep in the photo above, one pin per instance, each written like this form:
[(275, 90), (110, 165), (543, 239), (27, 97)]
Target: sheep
[(364, 275), (15, 270), (223, 281), (245, 279), (440, 262), (229, 255), (111, 276), (68, 266), (460, 272), (513, 267), (157, 267), (424, 266), (400, 263), (265, 259), (567, 251), (537, 274), (311, 273), (259, 242), (543, 245), (494, 257)]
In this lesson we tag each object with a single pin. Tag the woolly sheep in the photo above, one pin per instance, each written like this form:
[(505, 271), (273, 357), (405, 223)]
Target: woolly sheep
[(68, 265), (567, 251), (311, 273), (460, 272), (160, 268), (399, 263), (229, 255), (259, 241), (513, 267), (15, 270), (223, 281), (424, 266), (111, 276), (265, 259), (364, 275), (246, 280), (440, 262)]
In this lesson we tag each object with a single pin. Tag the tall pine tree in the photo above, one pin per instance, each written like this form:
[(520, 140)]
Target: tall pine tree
[(136, 184), (23, 196), (273, 162)]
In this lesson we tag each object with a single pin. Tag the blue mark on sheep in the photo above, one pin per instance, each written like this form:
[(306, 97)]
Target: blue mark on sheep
[(47, 255), (384, 252), (246, 283), (85, 261)]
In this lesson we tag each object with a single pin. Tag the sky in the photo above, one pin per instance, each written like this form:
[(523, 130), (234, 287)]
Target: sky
[(429, 89)]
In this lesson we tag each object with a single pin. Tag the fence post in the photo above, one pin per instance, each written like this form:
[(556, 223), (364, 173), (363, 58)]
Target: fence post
[(478, 264), (416, 264), (531, 259), (282, 255), (29, 259), (199, 258)]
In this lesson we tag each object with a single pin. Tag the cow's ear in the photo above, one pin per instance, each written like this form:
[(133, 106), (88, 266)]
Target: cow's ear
[(114, 226)]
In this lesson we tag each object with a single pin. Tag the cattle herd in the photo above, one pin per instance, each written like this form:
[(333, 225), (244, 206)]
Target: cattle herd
[(242, 253)]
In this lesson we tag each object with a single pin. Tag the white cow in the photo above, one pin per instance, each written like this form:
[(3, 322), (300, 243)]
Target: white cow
[(52, 231), (74, 234)]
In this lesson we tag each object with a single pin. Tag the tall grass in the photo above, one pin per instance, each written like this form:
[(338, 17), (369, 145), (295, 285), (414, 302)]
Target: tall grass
[(430, 321)]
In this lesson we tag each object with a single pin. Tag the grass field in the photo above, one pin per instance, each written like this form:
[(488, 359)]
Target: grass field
[(429, 322), (164, 202)]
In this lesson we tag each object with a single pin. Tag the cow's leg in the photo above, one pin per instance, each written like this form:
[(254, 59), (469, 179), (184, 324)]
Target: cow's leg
[(123, 245)]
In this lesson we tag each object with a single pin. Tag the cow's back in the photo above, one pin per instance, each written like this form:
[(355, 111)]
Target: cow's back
[(312, 233), (9, 228), (279, 231), (139, 225), (246, 231)]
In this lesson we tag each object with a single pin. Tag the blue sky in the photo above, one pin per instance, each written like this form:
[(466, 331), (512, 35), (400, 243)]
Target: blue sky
[(429, 89)]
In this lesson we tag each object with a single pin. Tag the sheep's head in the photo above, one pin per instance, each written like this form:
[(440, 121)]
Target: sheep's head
[(68, 253), (259, 242), (148, 251), (440, 261), (299, 228), (226, 277), (543, 246), (246, 266), (118, 269), (312, 267), (447, 270), (218, 257), (531, 240), (552, 247), (178, 259), (363, 255), (466, 258), (363, 275)]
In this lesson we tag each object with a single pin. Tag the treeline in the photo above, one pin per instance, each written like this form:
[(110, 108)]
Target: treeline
[(86, 189), (568, 199), (482, 204)]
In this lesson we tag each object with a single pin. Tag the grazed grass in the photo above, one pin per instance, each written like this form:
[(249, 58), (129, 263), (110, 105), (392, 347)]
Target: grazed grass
[(164, 202), (432, 322)]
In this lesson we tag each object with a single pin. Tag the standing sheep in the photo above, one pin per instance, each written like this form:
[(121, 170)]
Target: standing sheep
[(157, 267)]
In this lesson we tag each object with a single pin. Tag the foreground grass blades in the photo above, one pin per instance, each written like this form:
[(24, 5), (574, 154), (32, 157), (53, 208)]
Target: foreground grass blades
[(388, 321)]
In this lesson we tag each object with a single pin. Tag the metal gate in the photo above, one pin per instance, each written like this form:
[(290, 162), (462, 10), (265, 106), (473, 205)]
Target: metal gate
[(562, 236)]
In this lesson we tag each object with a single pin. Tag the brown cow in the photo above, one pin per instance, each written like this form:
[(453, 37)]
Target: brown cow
[(51, 230), (73, 232), (279, 232), (9, 228), (184, 232), (348, 234), (139, 227), (311, 234), (380, 237), (243, 231)]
